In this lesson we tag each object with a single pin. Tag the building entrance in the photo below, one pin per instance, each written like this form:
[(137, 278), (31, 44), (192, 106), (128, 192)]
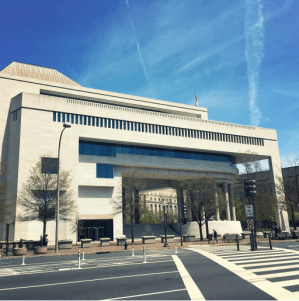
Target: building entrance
[(96, 229)]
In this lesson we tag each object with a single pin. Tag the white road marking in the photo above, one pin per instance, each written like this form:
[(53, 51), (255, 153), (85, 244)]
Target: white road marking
[(261, 260), (268, 263), (284, 267), (156, 293), (193, 290), (81, 281), (260, 282), (255, 255), (281, 274)]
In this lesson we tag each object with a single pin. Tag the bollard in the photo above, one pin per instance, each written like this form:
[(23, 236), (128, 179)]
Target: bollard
[(83, 254), (144, 255), (270, 243), (251, 242), (237, 240), (176, 249), (133, 250), (79, 260), (126, 246), (23, 258)]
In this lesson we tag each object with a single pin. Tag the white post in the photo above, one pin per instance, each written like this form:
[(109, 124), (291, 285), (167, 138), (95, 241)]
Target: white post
[(144, 255), (79, 260), (133, 250), (176, 250), (23, 258), (83, 254)]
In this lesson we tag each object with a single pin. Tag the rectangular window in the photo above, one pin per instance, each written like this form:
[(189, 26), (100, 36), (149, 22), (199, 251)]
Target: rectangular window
[(125, 125), (93, 123), (80, 119), (105, 171), (113, 123), (88, 118), (54, 116), (139, 127), (109, 123), (67, 117), (105, 122), (58, 117), (76, 119), (63, 117), (85, 120), (72, 118), (120, 125)]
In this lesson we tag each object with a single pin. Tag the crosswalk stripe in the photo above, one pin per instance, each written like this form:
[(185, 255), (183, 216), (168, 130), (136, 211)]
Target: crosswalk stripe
[(284, 267), (238, 261), (281, 274), (268, 263)]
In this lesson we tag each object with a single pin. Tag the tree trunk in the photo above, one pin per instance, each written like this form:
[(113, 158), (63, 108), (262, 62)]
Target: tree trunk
[(200, 230), (44, 230), (207, 228), (293, 217)]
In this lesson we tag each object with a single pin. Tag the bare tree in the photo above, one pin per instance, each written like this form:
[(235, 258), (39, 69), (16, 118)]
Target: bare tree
[(77, 226), (4, 207), (288, 190), (201, 199), (264, 201), (38, 196), (129, 204)]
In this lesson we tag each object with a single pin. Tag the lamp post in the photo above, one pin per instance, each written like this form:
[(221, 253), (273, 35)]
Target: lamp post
[(65, 125), (165, 216)]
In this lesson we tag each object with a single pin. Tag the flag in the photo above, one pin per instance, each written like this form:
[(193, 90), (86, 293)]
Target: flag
[(196, 101)]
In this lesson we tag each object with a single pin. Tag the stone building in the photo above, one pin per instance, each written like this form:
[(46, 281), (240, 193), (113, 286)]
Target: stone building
[(110, 132)]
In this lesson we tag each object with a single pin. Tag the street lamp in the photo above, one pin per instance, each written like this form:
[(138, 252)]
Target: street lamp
[(165, 217), (65, 125)]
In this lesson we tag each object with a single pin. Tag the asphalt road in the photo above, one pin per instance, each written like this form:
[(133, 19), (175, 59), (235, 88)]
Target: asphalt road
[(190, 274)]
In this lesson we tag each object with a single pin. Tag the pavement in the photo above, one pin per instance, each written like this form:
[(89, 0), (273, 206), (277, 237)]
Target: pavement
[(95, 247)]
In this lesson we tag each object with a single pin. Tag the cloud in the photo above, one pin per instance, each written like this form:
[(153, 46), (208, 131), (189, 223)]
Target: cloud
[(254, 34), (211, 52), (137, 44)]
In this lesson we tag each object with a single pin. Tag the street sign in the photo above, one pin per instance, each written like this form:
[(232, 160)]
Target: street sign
[(249, 210), (250, 224)]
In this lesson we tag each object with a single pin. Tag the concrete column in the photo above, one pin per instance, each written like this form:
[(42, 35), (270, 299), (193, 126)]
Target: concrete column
[(217, 209), (275, 173), (189, 211), (225, 192), (232, 201), (180, 201), (137, 215)]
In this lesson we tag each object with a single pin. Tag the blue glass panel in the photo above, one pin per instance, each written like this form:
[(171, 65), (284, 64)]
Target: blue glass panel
[(87, 149), (97, 121), (81, 148), (63, 117), (126, 150), (67, 117), (110, 151), (110, 171), (72, 118), (85, 121), (95, 149), (88, 119), (118, 149), (102, 150), (58, 117), (54, 116), (81, 119), (154, 152), (76, 119)]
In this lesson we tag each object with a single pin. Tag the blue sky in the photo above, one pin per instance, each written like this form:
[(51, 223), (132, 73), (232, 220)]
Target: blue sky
[(240, 57)]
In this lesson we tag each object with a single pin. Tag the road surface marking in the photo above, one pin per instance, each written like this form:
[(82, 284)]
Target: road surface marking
[(261, 260), (271, 288), (284, 267), (192, 289), (135, 296), (81, 281)]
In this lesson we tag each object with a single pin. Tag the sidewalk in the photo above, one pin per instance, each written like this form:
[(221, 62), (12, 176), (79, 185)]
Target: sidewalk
[(96, 248)]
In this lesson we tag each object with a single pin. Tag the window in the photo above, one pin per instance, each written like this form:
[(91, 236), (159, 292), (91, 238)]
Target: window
[(76, 119), (58, 117), (63, 117), (105, 171), (67, 117), (72, 118), (54, 116)]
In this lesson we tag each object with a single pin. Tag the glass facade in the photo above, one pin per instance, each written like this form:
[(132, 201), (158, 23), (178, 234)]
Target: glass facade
[(109, 150), (105, 171)]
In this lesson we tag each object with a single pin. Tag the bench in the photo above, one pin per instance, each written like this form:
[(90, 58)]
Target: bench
[(148, 239), (121, 241), (188, 237), (283, 235), (170, 238), (104, 241), (231, 237)]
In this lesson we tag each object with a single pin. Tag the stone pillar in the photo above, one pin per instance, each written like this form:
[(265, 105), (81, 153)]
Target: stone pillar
[(232, 202), (180, 201), (217, 209), (275, 173), (123, 196), (136, 198), (225, 192), (189, 211)]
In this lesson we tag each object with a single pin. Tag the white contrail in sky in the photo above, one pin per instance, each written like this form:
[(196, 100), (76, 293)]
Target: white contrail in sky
[(137, 44), (254, 34)]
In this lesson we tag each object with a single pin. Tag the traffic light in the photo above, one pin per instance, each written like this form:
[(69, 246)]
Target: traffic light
[(184, 210), (249, 187)]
